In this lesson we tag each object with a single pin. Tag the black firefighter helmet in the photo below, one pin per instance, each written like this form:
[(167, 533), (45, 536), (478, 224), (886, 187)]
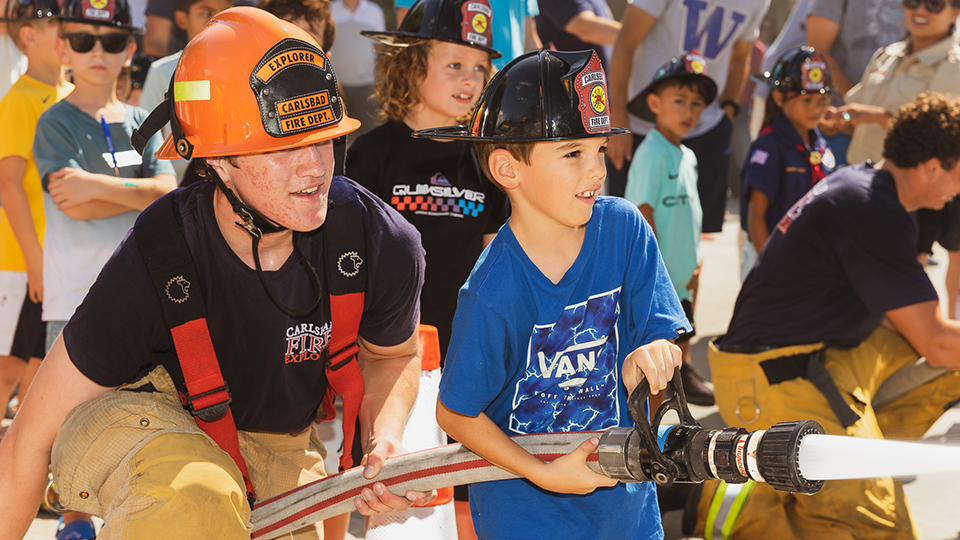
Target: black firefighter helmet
[(112, 13), (800, 70), (26, 10), (689, 67), (464, 22), (540, 96)]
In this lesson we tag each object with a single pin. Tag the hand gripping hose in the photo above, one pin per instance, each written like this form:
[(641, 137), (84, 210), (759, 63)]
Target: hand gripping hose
[(685, 453)]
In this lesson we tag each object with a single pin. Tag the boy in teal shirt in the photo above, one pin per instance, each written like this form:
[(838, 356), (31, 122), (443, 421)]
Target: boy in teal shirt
[(662, 182)]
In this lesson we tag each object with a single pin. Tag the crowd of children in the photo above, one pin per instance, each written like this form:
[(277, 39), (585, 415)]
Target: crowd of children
[(551, 301)]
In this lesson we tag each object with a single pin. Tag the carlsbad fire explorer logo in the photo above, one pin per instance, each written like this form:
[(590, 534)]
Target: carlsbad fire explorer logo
[(591, 87), (306, 341)]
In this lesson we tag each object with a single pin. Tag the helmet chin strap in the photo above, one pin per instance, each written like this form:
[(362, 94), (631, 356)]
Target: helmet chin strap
[(256, 225)]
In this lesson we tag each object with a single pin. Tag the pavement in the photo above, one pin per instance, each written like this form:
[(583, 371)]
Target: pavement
[(933, 498)]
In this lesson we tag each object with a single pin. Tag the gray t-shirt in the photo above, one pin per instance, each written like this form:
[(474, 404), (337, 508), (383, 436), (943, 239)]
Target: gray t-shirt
[(865, 26), (74, 250), (712, 27)]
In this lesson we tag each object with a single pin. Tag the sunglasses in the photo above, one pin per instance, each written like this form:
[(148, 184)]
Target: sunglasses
[(933, 6), (112, 43)]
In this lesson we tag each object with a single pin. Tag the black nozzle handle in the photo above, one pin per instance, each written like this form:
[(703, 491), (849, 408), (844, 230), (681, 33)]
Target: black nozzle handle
[(661, 469)]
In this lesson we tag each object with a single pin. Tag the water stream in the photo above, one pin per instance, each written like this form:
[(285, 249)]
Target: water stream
[(830, 457)]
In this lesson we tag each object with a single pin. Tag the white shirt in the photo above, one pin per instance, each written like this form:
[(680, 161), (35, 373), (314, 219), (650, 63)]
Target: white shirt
[(353, 54), (13, 63), (713, 27)]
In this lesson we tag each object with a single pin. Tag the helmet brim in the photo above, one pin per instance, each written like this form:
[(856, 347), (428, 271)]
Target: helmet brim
[(126, 27), (168, 150), (766, 79), (405, 39), (638, 105), (462, 133)]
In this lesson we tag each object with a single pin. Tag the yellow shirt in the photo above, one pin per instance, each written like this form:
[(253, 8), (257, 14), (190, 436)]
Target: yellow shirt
[(20, 109)]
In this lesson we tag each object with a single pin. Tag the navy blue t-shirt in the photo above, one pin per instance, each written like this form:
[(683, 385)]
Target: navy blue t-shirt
[(267, 357), (841, 257)]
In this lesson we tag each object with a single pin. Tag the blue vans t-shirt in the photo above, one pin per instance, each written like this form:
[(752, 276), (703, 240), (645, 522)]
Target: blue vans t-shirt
[(535, 356)]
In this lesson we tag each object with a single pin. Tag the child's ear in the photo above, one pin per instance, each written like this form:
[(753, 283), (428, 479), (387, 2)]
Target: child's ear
[(26, 35), (132, 48), (180, 19), (221, 168), (653, 101), (61, 45), (503, 168)]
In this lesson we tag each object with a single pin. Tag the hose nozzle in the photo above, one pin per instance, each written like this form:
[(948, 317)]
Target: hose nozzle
[(690, 453), (695, 454)]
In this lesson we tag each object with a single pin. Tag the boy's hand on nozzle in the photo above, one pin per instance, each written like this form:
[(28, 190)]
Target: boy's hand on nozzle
[(569, 473), (654, 361)]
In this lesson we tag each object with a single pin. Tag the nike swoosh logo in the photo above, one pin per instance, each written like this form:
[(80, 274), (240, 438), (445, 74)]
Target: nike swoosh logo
[(44, 100), (673, 176)]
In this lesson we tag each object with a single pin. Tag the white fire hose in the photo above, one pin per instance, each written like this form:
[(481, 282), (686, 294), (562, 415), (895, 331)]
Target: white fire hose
[(683, 454)]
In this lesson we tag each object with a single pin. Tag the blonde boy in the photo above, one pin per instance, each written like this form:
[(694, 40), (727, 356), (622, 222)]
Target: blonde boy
[(566, 310), (33, 28)]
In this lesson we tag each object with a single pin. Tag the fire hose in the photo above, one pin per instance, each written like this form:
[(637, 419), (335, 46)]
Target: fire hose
[(678, 453)]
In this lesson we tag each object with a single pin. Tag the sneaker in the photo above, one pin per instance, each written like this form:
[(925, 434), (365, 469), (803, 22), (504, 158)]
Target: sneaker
[(696, 389), (75, 530)]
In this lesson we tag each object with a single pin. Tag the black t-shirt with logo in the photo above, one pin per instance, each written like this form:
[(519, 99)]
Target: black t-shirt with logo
[(439, 188), (269, 359), (842, 256)]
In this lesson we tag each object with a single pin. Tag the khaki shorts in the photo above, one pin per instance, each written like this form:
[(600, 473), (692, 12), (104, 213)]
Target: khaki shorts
[(137, 459)]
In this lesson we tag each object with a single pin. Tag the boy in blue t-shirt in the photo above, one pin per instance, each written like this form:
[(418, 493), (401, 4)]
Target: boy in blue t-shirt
[(564, 313), (662, 182)]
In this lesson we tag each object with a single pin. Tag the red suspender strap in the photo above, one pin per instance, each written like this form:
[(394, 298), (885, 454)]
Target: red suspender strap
[(167, 257), (345, 276), (343, 369), (208, 397)]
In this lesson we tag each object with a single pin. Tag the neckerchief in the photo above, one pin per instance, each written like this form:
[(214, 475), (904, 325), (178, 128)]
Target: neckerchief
[(815, 158)]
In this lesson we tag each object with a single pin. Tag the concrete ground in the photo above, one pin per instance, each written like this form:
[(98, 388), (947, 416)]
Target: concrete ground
[(934, 498)]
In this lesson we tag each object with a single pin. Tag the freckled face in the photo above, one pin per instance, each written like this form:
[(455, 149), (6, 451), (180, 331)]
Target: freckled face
[(289, 187)]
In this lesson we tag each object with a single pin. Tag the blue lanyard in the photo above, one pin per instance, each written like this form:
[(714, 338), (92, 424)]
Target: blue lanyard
[(106, 135)]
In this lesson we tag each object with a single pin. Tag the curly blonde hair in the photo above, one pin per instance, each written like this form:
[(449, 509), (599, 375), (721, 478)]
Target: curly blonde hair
[(400, 70)]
